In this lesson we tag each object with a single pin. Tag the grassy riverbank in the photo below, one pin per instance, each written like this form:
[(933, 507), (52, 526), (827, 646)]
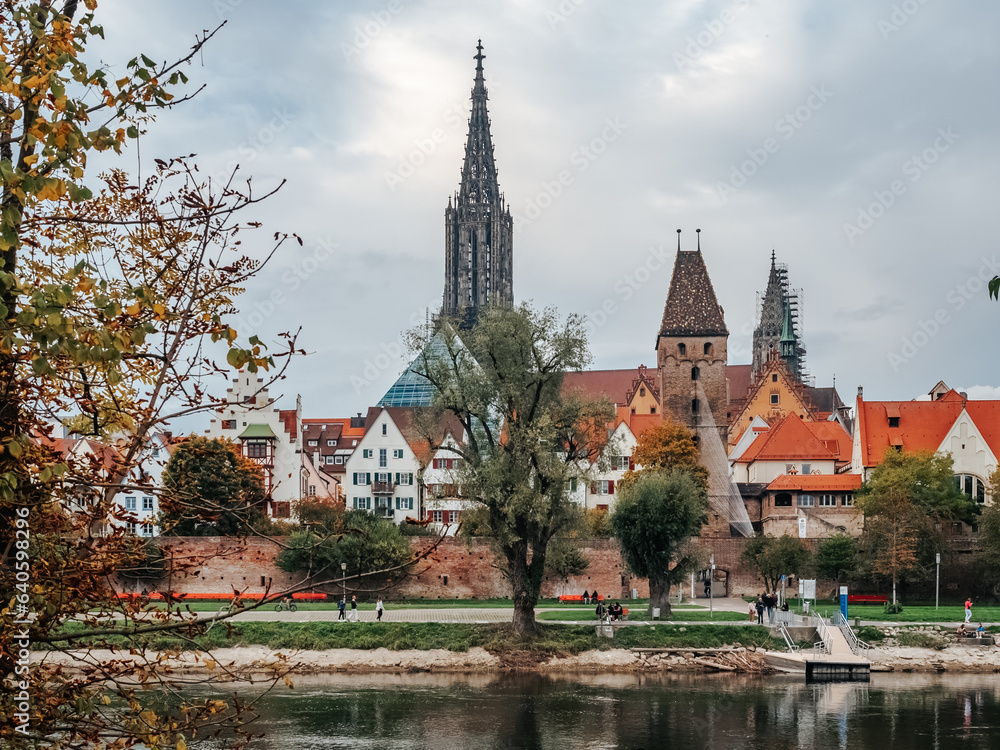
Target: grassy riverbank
[(687, 615), (566, 639)]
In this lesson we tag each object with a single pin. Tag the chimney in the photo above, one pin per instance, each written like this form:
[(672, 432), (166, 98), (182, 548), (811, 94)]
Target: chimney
[(861, 391)]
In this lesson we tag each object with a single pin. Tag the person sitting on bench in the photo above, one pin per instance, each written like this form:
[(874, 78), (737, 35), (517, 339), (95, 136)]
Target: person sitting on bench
[(586, 597)]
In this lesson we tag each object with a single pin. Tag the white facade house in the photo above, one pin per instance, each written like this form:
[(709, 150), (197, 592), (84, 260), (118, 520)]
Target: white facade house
[(596, 488), (271, 438), (444, 504), (382, 473)]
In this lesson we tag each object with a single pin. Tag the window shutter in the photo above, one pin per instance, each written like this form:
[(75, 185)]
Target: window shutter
[(593, 488), (631, 464), (611, 487)]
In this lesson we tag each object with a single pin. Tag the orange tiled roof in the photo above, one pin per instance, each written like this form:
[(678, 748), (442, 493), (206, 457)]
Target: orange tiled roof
[(739, 377), (835, 437), (816, 482), (789, 440), (923, 425)]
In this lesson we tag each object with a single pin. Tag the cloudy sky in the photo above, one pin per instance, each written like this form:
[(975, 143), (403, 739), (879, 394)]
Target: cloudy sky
[(859, 141)]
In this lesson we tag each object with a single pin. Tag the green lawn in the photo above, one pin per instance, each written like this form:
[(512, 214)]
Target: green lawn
[(397, 636), (920, 612), (639, 613)]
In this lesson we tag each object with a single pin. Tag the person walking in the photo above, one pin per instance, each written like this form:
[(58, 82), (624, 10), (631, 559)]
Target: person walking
[(342, 607), (379, 609), (354, 608), (771, 602), (968, 609), (760, 609), (752, 610)]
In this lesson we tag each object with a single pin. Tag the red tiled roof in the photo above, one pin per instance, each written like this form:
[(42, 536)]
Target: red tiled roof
[(288, 418), (613, 384), (789, 440), (923, 425), (816, 482), (345, 426), (639, 424), (739, 381)]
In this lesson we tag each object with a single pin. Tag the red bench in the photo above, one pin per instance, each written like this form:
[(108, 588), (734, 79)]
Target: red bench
[(867, 599), (578, 598)]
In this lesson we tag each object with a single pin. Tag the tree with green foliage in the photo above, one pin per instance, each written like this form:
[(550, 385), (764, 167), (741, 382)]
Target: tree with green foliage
[(772, 557), (905, 499), (654, 519), (524, 438), (988, 542), (370, 546), (210, 489), (669, 445), (837, 557)]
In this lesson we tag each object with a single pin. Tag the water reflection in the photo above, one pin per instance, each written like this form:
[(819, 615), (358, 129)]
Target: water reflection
[(446, 712)]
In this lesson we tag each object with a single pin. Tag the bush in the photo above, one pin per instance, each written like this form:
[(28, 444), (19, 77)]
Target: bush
[(870, 634), (921, 640), (893, 609)]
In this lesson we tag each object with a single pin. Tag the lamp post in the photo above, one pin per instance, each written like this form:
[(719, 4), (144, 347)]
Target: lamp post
[(343, 578), (937, 581), (711, 588)]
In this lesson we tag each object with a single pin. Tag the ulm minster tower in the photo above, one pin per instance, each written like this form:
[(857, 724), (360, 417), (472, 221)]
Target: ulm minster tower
[(478, 262)]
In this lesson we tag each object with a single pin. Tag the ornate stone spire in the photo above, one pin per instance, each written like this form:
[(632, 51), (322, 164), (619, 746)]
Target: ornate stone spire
[(478, 225)]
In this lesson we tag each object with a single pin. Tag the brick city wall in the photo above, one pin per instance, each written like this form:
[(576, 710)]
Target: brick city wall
[(455, 570)]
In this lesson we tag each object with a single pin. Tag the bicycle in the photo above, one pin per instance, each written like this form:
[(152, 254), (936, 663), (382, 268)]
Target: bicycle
[(290, 606)]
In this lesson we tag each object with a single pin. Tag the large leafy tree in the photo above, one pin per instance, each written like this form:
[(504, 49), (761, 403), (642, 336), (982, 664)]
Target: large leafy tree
[(115, 297), (211, 489), (905, 500), (525, 439), (988, 543), (654, 519), (837, 557), (669, 445), (772, 557)]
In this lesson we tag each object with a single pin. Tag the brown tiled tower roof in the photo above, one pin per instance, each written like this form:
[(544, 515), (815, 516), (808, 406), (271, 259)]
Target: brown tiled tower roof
[(692, 309)]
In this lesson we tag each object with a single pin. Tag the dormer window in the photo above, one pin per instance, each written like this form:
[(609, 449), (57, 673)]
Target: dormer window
[(894, 421), (682, 349)]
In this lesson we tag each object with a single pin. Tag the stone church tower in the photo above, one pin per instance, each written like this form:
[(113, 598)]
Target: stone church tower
[(691, 348), (478, 265), (777, 331)]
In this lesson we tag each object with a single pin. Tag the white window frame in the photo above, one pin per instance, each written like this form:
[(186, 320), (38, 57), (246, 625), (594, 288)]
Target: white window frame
[(827, 501), (805, 501), (148, 503), (130, 503)]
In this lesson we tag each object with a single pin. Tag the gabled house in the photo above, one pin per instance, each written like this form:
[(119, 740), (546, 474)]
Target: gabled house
[(440, 478), (269, 437), (382, 474), (947, 423), (811, 506), (793, 447)]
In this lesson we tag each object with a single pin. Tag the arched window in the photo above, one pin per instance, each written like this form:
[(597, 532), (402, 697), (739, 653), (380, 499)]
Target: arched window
[(682, 349), (708, 348), (972, 486), (695, 373), (695, 406)]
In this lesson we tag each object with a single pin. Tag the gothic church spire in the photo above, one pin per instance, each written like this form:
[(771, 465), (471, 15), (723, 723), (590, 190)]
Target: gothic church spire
[(478, 225)]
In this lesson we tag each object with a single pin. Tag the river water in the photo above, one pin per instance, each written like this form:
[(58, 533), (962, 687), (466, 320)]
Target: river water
[(680, 712)]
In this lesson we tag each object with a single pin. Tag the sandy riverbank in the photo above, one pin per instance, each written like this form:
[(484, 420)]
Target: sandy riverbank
[(262, 659)]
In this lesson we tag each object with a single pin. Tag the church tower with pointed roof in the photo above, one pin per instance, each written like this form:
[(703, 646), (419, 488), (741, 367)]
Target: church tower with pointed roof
[(478, 224), (777, 334), (691, 347)]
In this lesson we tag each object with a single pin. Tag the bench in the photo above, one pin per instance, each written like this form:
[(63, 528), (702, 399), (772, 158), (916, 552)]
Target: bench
[(578, 599), (867, 599)]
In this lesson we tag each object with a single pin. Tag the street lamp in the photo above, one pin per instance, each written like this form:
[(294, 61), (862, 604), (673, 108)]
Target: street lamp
[(711, 588), (937, 581), (343, 578)]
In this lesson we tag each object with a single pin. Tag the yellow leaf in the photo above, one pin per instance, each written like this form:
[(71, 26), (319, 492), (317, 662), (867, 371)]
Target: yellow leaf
[(159, 310), (133, 309), (181, 744)]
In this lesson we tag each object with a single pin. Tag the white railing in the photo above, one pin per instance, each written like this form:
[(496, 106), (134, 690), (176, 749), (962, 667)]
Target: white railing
[(856, 644), (783, 629), (823, 645)]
